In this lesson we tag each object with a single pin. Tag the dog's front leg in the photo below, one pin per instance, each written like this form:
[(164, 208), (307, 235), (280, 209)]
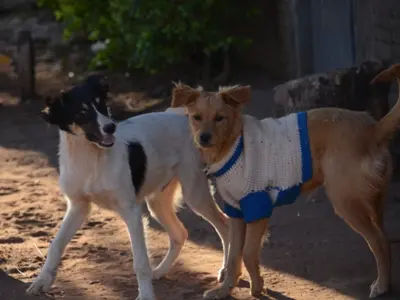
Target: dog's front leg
[(251, 254), (73, 220), (132, 216), (237, 233)]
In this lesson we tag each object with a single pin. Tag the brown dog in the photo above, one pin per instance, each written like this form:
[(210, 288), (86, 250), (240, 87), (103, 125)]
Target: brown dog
[(349, 156)]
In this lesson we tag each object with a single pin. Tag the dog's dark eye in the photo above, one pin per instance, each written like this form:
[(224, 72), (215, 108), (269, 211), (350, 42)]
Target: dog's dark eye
[(83, 114), (82, 117), (196, 117), (219, 118)]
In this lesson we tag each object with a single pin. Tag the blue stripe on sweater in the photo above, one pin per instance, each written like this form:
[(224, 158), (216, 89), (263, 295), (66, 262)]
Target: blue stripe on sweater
[(229, 164), (306, 159)]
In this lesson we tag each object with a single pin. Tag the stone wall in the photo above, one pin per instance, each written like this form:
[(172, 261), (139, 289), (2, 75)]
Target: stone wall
[(376, 33), (43, 29), (18, 15), (377, 26)]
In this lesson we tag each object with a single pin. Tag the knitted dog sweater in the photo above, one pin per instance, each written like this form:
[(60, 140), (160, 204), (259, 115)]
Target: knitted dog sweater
[(265, 168)]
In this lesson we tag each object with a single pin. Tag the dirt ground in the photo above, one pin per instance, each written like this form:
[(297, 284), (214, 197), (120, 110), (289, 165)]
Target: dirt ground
[(311, 253)]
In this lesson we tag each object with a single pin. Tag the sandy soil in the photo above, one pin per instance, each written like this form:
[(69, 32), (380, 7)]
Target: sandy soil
[(311, 253)]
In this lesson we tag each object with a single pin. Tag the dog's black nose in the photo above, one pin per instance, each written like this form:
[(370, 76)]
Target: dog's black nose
[(109, 128), (205, 138)]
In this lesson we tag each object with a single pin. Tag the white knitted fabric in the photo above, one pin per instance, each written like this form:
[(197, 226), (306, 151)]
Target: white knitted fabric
[(271, 160)]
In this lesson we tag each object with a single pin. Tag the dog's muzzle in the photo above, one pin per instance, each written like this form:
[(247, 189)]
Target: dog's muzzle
[(205, 139), (107, 141)]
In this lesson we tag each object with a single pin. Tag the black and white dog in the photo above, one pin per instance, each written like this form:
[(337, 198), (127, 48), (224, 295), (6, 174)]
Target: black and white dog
[(146, 158)]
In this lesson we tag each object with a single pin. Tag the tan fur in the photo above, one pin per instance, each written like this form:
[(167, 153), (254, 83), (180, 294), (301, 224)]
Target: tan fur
[(351, 159), (237, 233), (162, 208), (76, 129), (226, 104), (387, 126)]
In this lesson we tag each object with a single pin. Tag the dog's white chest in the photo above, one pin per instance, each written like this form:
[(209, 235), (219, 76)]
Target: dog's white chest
[(84, 174), (96, 187)]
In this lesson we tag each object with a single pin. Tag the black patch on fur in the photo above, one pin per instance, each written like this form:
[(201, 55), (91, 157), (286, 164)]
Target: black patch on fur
[(137, 164)]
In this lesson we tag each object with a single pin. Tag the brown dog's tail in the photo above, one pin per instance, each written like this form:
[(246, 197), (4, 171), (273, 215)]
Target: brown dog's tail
[(387, 126)]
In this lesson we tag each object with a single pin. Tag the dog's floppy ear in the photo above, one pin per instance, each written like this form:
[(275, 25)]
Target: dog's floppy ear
[(183, 94), (235, 95)]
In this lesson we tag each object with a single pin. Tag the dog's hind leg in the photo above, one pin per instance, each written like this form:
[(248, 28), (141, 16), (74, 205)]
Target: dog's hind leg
[(363, 218), (162, 208), (73, 220), (358, 195), (365, 224)]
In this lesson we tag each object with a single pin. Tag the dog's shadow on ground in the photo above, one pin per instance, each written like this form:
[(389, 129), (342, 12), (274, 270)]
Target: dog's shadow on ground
[(123, 283), (21, 128), (13, 289), (309, 241), (277, 296), (268, 294)]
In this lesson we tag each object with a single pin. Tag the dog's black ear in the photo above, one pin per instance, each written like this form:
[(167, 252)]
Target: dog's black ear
[(45, 112), (98, 83), (48, 100), (52, 110), (235, 95)]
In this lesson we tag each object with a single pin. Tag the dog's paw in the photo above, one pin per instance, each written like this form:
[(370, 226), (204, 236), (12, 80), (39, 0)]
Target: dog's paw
[(158, 273), (146, 291), (217, 293), (221, 274), (377, 289), (42, 283), (146, 298), (257, 287)]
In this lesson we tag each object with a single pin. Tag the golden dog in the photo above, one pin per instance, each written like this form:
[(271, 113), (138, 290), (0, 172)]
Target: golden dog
[(350, 158)]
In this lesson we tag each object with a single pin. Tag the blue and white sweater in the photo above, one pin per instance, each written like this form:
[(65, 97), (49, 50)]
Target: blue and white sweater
[(265, 168)]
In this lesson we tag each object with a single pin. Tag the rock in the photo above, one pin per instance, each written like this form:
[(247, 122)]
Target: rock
[(43, 30), (12, 240), (345, 88), (160, 91), (261, 104)]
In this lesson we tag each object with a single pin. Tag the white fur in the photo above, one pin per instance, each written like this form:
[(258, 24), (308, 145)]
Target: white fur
[(90, 174), (102, 120)]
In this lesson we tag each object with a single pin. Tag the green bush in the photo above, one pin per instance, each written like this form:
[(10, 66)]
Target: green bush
[(154, 34)]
